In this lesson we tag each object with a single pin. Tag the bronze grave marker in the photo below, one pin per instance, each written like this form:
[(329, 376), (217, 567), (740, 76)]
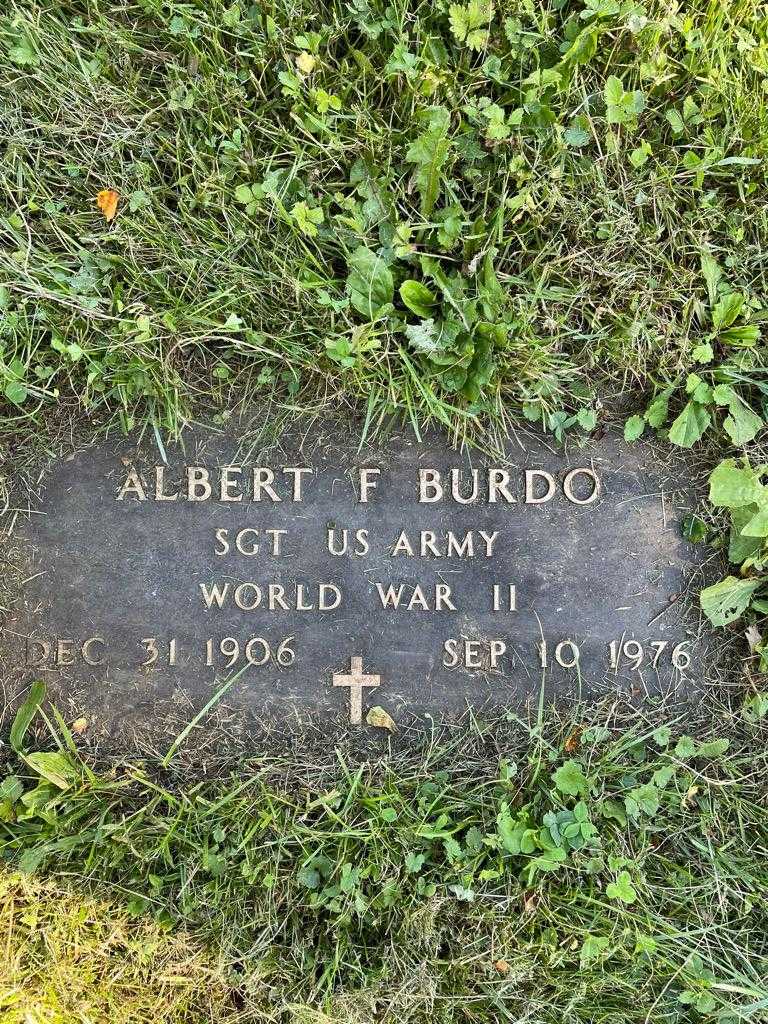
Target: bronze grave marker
[(328, 577)]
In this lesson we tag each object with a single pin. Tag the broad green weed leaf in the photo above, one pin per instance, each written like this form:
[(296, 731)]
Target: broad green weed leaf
[(583, 48), (551, 860), (733, 487), (16, 392), (23, 54), (713, 748), (695, 530), (429, 152), (370, 284), (55, 767), (662, 736), (639, 156), (675, 121), (515, 834), (643, 799), (586, 418), (711, 273), (755, 708), (414, 862), (739, 546), (758, 524), (744, 336), (657, 412), (138, 200), (689, 425), (621, 106), (11, 788), (592, 950), (576, 136), (307, 218), (614, 811), (726, 310), (32, 858), (663, 776), (703, 353), (743, 423), (26, 713), (738, 161), (613, 91), (249, 196), (698, 389), (468, 23), (622, 889), (451, 221), (685, 748), (423, 337), (600, 9), (308, 877), (634, 427), (418, 298), (496, 129), (727, 600), (569, 779)]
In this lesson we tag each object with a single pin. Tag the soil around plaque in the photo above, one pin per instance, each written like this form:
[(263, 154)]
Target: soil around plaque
[(96, 565)]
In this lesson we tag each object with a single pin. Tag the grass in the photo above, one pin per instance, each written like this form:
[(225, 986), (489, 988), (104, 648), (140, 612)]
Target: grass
[(548, 871), (574, 248), (549, 210), (68, 958)]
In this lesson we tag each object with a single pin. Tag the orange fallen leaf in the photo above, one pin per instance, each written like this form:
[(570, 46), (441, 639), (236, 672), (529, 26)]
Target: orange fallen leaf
[(574, 741), (107, 200)]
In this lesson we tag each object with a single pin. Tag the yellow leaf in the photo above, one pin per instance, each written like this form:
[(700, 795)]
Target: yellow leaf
[(381, 719), (107, 200), (79, 726), (305, 62), (690, 796)]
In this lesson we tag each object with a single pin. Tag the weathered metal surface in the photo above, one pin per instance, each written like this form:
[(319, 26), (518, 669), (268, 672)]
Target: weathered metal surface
[(115, 611)]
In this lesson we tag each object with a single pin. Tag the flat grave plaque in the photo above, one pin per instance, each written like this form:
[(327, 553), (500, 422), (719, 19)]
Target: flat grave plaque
[(329, 578)]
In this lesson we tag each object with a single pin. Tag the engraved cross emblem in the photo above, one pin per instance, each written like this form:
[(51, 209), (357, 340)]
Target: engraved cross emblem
[(356, 680)]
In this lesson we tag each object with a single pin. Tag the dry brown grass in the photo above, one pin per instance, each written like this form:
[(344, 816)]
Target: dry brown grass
[(67, 958)]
